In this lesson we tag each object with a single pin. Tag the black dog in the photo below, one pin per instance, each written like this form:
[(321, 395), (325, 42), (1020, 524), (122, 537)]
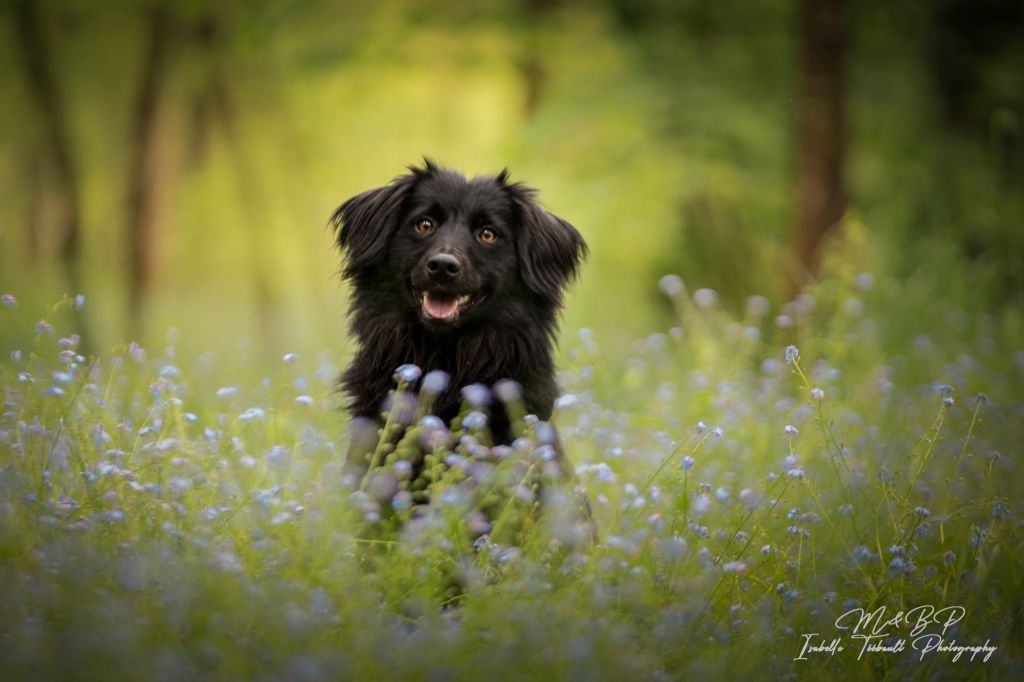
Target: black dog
[(453, 274)]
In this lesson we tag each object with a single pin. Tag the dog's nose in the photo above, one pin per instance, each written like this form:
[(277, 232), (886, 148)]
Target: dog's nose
[(443, 267)]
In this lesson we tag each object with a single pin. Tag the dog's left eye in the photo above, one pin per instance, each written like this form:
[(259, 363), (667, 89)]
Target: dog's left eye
[(425, 226), (488, 235)]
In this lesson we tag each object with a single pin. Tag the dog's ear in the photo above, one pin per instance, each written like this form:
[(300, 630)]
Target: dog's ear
[(550, 249), (364, 224)]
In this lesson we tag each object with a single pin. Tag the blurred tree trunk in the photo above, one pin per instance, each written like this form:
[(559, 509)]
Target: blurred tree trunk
[(144, 170), (821, 199), (37, 57), (207, 34), (532, 67)]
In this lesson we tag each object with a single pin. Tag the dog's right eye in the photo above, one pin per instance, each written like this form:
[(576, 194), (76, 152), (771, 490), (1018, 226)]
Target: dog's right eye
[(425, 226)]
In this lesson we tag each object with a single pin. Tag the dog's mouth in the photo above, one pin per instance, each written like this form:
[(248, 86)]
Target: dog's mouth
[(445, 307)]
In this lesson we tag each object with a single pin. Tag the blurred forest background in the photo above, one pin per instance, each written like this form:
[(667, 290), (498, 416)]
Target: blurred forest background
[(176, 162)]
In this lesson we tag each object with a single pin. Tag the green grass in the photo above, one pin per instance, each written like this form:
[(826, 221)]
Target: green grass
[(167, 517)]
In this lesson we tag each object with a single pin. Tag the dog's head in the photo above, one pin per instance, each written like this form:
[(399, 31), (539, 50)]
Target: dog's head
[(456, 248)]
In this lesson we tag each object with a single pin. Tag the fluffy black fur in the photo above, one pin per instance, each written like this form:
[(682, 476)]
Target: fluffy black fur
[(431, 287)]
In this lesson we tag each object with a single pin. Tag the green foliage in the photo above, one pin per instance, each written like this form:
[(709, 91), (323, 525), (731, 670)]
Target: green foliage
[(171, 515), (665, 131)]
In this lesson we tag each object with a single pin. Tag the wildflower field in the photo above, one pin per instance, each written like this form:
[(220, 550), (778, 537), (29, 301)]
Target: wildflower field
[(753, 477)]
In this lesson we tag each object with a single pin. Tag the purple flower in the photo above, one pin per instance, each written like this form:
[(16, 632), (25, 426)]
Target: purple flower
[(475, 420), (544, 433), (253, 414), (758, 306), (278, 456), (8, 301), (430, 422), (477, 395), (900, 566), (402, 501), (792, 354), (977, 537), (671, 285), (136, 352), (407, 374), (698, 530), (566, 401), (509, 391), (705, 298), (602, 472), (435, 382)]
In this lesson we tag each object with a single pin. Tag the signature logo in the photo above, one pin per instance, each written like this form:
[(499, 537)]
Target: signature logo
[(924, 630)]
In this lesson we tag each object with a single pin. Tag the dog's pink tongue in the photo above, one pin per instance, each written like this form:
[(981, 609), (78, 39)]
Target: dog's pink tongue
[(438, 307)]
